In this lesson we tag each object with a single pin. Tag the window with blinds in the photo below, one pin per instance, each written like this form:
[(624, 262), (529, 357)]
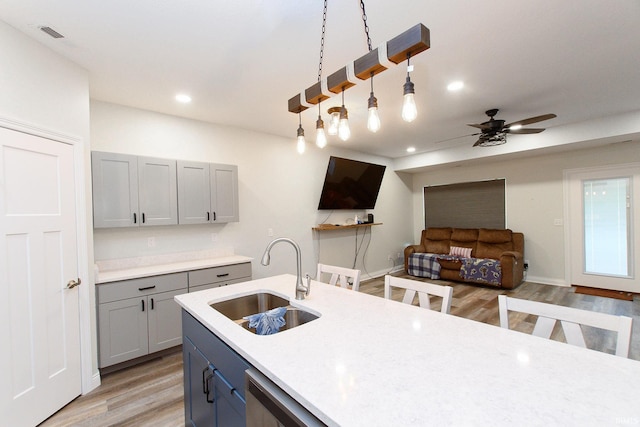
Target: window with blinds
[(478, 204)]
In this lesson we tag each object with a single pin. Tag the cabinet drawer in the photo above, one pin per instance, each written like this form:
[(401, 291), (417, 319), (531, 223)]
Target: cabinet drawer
[(219, 274), (219, 354), (132, 288), (216, 285)]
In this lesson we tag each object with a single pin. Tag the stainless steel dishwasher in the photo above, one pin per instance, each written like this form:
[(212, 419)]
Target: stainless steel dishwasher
[(269, 406)]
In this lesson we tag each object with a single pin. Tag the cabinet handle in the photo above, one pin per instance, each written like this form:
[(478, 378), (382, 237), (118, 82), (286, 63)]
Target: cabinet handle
[(143, 218), (222, 275), (142, 305), (152, 304), (135, 218), (208, 216), (146, 288), (205, 384), (214, 216)]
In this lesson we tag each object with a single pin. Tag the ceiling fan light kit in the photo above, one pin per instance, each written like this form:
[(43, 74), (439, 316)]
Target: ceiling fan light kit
[(411, 42)]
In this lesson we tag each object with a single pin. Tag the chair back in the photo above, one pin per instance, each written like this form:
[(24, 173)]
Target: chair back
[(570, 319), (424, 289), (339, 275)]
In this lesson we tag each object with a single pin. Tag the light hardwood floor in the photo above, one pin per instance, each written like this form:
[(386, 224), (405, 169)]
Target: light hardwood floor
[(151, 394)]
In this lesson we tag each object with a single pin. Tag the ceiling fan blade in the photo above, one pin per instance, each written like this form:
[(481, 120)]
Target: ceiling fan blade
[(531, 120), (483, 126), (457, 137), (524, 130)]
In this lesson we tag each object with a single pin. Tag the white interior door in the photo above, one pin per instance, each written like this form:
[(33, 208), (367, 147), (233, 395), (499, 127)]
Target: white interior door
[(604, 227), (40, 360)]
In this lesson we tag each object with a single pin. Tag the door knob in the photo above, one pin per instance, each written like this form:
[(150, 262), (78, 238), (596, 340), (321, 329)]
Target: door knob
[(73, 283)]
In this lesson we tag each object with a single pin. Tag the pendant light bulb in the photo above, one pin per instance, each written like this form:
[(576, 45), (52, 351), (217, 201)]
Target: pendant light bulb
[(373, 122), (334, 120), (343, 127), (321, 138), (301, 144), (409, 110)]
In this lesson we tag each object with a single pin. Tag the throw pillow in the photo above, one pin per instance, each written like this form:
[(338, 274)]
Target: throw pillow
[(461, 252)]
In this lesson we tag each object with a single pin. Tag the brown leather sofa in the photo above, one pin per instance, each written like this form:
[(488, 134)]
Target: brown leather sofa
[(505, 246)]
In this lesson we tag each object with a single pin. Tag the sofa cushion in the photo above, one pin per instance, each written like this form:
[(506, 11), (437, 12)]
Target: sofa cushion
[(491, 243), (435, 233), (460, 251), (450, 264), (464, 234), (436, 240), (465, 238), (494, 236)]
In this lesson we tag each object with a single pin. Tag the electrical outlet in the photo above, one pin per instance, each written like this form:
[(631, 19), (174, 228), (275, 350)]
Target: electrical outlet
[(526, 264), (390, 257), (269, 232), (214, 237), (399, 255), (151, 242)]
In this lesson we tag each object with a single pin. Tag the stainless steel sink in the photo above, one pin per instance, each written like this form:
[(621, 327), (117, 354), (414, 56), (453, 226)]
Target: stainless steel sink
[(237, 308)]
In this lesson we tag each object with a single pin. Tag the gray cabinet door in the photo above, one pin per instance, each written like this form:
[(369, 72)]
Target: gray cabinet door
[(122, 330), (224, 193), (194, 196), (157, 191), (115, 190), (199, 403), (164, 320)]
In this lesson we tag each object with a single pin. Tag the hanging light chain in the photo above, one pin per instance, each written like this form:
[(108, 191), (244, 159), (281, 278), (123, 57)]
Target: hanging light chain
[(366, 26), (324, 25)]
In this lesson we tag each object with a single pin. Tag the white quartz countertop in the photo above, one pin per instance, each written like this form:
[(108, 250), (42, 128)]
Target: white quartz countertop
[(129, 271), (368, 361)]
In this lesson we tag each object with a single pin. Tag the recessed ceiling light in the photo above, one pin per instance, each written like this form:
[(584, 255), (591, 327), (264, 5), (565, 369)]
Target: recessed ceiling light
[(454, 86), (183, 98), (411, 149)]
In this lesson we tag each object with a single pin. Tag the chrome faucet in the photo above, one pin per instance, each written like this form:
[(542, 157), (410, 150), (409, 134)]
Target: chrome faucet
[(301, 289)]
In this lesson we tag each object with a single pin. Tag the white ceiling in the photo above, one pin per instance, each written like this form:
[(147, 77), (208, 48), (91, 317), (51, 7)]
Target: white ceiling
[(242, 60)]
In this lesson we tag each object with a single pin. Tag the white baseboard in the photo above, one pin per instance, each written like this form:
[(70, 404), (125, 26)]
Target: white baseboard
[(380, 273), (92, 384), (546, 281)]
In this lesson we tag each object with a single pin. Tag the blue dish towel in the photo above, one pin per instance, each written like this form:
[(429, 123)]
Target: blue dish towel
[(269, 322)]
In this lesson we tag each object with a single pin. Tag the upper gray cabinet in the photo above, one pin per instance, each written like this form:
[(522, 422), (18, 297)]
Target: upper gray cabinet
[(130, 191), (157, 191), (207, 193)]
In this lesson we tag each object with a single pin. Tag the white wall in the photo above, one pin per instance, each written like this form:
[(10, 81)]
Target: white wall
[(278, 189), (534, 198), (45, 92)]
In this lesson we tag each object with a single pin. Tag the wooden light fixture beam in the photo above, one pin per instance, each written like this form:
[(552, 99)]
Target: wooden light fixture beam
[(413, 41)]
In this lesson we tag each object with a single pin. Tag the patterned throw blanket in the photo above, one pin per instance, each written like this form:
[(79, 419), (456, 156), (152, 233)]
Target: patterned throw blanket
[(424, 265), (481, 270)]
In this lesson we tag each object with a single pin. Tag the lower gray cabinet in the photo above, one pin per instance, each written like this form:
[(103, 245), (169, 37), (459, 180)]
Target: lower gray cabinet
[(139, 316), (214, 392)]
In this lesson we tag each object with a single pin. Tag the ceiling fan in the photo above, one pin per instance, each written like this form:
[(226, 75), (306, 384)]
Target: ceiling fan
[(494, 132)]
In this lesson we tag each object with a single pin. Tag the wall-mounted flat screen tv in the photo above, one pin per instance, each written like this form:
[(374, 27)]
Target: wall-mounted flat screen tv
[(351, 184)]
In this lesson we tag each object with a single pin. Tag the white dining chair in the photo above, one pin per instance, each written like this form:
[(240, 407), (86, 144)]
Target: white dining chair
[(339, 275), (570, 319), (424, 289)]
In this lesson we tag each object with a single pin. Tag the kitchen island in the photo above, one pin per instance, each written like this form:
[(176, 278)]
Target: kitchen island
[(367, 361)]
